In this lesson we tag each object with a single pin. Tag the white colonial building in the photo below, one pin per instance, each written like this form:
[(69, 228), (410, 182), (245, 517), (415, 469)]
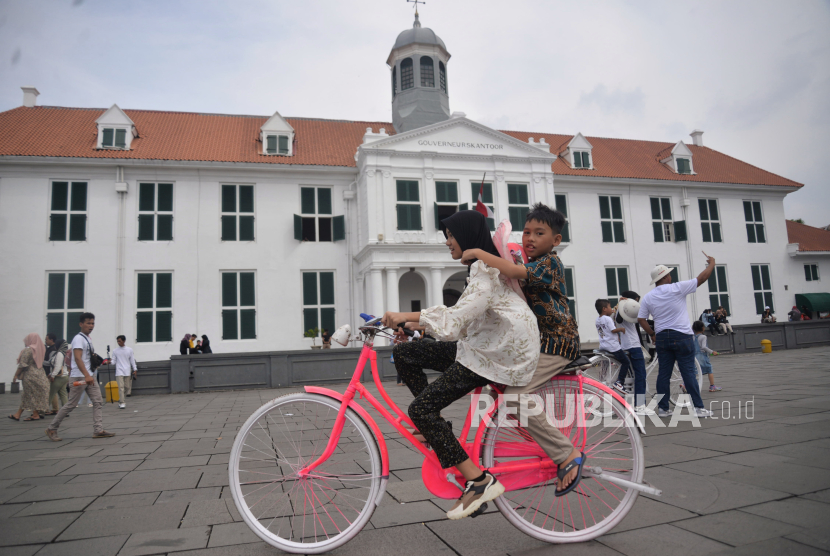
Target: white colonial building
[(253, 229)]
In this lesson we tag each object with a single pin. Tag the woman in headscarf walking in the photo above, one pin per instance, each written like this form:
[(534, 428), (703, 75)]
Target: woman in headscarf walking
[(59, 375), (35, 384)]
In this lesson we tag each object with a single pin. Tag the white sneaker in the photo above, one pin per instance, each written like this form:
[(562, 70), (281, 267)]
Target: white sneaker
[(90, 405), (664, 412), (702, 412), (122, 405), (643, 410)]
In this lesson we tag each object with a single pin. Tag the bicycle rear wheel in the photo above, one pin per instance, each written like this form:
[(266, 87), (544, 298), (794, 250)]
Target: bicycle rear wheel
[(326, 508), (595, 506)]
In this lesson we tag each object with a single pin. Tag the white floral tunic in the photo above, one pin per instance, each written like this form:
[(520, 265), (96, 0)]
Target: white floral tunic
[(497, 334)]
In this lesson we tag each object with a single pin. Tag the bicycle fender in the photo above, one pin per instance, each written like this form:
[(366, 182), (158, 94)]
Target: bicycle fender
[(384, 454)]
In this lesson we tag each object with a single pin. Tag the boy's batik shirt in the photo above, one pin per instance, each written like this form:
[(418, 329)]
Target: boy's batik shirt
[(544, 289)]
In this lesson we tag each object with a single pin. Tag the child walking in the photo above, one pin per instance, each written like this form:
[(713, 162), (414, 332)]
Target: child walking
[(702, 353), (497, 341)]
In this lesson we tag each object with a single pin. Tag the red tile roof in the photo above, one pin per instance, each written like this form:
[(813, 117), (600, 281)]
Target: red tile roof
[(807, 237), (72, 132)]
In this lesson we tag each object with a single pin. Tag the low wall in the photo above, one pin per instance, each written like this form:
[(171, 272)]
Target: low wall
[(783, 335)]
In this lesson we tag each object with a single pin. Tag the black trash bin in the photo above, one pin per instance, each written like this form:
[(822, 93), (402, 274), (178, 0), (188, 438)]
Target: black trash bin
[(15, 387)]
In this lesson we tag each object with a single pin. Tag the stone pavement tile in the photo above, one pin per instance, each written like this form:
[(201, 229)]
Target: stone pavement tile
[(174, 462), (190, 495), (207, 512), (134, 438), (158, 479), (28, 469), (220, 459), (124, 501), (68, 453), (409, 491), (127, 457), (95, 478), (99, 546), (818, 537), (796, 511), (7, 494), (126, 449), (57, 492), (8, 510), (821, 496), (403, 514), (251, 549), (161, 453), (795, 479), (56, 506), (706, 495), (8, 482), (417, 539), (228, 534), (590, 548), (214, 476), (706, 467), (484, 535), (755, 458), (771, 547), (99, 523), (737, 528), (159, 542), (664, 454), (408, 474), (722, 443), (99, 468), (31, 530), (647, 512), (27, 550), (660, 539), (405, 459)]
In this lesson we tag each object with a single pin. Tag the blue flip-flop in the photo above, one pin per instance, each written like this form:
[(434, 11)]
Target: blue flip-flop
[(560, 474)]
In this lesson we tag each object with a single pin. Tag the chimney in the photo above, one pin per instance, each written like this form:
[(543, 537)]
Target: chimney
[(30, 96), (697, 137)]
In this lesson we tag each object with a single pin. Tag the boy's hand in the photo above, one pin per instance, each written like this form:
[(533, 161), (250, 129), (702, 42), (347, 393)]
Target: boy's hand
[(715, 353), (468, 257)]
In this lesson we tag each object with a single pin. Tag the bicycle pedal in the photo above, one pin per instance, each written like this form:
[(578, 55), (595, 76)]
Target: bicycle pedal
[(481, 509)]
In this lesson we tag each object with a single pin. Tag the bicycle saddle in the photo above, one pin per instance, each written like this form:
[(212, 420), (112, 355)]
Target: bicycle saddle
[(580, 363), (606, 354)]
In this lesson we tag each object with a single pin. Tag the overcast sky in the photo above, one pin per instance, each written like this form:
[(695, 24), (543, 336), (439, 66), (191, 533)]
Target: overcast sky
[(755, 76)]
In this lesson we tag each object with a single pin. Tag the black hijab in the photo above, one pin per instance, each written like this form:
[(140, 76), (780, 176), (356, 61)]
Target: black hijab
[(469, 228)]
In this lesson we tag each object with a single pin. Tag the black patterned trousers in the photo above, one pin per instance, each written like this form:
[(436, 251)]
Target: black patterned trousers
[(411, 358)]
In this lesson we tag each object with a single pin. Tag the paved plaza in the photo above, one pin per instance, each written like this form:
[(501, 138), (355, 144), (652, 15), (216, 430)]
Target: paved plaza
[(739, 484)]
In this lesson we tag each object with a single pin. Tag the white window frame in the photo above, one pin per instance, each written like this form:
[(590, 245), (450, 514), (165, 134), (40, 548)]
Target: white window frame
[(316, 214), (418, 203), (68, 212), (615, 300), (677, 160), (155, 309), (579, 152), (721, 291), (667, 226), (812, 266), (127, 132), (237, 213), (238, 307), (288, 140), (63, 312), (156, 212), (762, 222), (527, 205), (763, 291), (611, 218), (319, 305)]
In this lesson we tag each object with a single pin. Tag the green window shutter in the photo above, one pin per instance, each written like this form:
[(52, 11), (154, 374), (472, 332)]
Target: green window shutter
[(569, 282), (452, 192), (145, 227), (327, 288), (756, 277), (339, 223), (54, 324), (56, 290), (247, 321), (604, 207), (724, 300), (60, 195), (246, 228), (230, 324), (414, 193), (616, 208), (309, 288), (655, 208), (228, 198), (323, 201), (144, 293), (586, 160), (572, 307), (402, 191), (164, 326), (748, 211), (165, 227), (107, 139), (57, 227), (611, 281), (246, 198), (228, 228), (247, 289), (309, 319), (165, 197), (703, 206), (144, 326), (146, 197), (619, 232), (807, 275), (441, 191), (79, 193), (706, 232), (283, 144), (750, 233), (229, 289), (607, 234), (721, 272), (577, 160), (713, 209), (73, 325), (680, 231), (756, 208), (491, 222), (675, 276), (658, 231), (562, 204), (271, 144), (768, 301), (512, 194), (765, 281), (665, 205), (415, 217), (716, 232), (759, 303), (814, 270), (759, 233), (566, 233), (121, 138), (515, 215), (463, 206), (307, 200), (164, 290), (77, 227), (327, 319), (298, 227), (713, 302), (622, 279), (486, 194), (408, 191), (712, 282), (437, 216), (403, 217), (75, 291)]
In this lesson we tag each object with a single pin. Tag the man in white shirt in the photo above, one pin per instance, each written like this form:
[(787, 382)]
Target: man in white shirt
[(125, 369), (81, 374), (673, 336)]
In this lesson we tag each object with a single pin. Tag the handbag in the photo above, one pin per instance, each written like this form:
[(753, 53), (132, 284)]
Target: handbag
[(95, 360)]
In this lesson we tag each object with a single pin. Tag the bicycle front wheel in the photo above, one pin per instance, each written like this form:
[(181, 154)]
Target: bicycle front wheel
[(327, 507), (595, 506)]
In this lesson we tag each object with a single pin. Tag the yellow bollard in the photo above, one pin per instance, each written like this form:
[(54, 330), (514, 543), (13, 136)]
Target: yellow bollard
[(112, 391), (766, 346)]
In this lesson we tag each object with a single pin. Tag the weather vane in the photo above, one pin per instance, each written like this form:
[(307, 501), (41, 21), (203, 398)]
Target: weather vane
[(416, 2)]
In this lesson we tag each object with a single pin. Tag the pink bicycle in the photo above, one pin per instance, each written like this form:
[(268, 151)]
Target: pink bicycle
[(307, 470)]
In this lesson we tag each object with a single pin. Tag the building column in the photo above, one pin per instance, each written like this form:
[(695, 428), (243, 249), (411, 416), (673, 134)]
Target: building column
[(393, 302), (377, 292), (437, 289)]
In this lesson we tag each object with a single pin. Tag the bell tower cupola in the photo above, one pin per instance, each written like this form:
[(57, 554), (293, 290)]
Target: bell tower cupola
[(419, 78)]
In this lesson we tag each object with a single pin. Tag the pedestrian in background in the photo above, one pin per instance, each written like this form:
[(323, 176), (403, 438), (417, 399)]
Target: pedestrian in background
[(326, 338), (185, 344), (191, 350), (722, 321), (125, 369), (795, 314), (58, 372), (768, 317), (35, 384), (206, 345)]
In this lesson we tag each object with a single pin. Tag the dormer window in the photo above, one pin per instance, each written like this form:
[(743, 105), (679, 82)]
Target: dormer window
[(578, 153), (684, 166), (277, 137), (582, 159), (115, 130), (277, 144), (679, 159), (114, 138)]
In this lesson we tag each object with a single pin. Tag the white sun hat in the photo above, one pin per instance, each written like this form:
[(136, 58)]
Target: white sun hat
[(659, 272), (628, 309)]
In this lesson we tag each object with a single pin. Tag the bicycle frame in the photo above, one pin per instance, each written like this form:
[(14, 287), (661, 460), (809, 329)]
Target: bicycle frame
[(514, 475)]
